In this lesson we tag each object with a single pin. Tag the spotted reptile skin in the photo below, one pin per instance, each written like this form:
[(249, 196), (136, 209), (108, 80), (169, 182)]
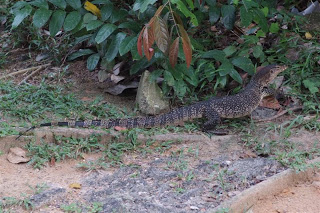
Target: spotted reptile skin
[(233, 106)]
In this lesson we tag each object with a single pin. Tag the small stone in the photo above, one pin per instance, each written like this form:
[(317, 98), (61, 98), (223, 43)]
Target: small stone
[(194, 208), (228, 162)]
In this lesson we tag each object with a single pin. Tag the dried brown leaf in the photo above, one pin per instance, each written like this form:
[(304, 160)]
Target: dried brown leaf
[(186, 44), (161, 33), (139, 43), (147, 40)]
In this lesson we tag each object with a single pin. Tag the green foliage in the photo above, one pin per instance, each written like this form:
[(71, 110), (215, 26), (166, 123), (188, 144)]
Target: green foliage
[(109, 32)]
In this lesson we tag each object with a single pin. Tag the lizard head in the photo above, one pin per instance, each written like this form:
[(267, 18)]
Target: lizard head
[(267, 74)]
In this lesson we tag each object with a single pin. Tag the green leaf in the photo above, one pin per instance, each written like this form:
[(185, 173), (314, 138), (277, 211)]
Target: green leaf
[(250, 4), (155, 75), (168, 78), (93, 61), (140, 65), (214, 14), (312, 86), (229, 50), (274, 28), (131, 25), (59, 3), (104, 32), (94, 24), (228, 13), (145, 4), (41, 16), (114, 46), (127, 44), (265, 11), (81, 52), (261, 20), (40, 3), (236, 76), (260, 33), (20, 16), (75, 4), (56, 22), (106, 11), (243, 63), (185, 11), (246, 16), (89, 17), (118, 15), (216, 54), (142, 5), (180, 88), (257, 51), (225, 68), (72, 20)]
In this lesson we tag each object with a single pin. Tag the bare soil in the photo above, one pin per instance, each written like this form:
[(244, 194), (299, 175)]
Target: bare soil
[(198, 178)]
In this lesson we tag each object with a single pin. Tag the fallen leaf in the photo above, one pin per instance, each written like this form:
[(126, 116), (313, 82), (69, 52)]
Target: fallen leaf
[(270, 102), (308, 35), (17, 155), (75, 185), (116, 78), (119, 128)]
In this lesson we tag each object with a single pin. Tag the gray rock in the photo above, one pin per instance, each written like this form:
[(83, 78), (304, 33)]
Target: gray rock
[(149, 96)]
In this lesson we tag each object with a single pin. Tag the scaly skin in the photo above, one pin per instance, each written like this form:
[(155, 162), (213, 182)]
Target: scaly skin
[(233, 106)]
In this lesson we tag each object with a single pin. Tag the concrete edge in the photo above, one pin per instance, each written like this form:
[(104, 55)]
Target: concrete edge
[(270, 187)]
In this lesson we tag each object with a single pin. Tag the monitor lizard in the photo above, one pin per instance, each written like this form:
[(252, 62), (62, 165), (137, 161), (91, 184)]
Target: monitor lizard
[(233, 106)]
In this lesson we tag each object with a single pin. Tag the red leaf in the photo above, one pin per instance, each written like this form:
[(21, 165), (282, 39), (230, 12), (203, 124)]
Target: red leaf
[(159, 10), (139, 43), (148, 40), (186, 44), (173, 52)]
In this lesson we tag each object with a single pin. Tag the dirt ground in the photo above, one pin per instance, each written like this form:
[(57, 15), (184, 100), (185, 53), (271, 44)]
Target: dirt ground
[(303, 197), (156, 185)]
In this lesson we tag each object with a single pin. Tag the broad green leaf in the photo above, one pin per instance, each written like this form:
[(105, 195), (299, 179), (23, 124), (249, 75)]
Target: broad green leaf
[(20, 4), (216, 54), (100, 2), (75, 4), (168, 78), (127, 44), (243, 63), (250, 4), (88, 17), (20, 16), (59, 3), (225, 68), (261, 20), (131, 25), (81, 52), (214, 14), (274, 28), (106, 11), (93, 61), (180, 88), (94, 24), (114, 46), (145, 4), (56, 22), (155, 75), (236, 76), (41, 16), (185, 11), (228, 13), (72, 20), (118, 15), (229, 50), (190, 3), (246, 16), (140, 65), (82, 38), (104, 32), (265, 11), (260, 33), (312, 86), (40, 3), (257, 51)]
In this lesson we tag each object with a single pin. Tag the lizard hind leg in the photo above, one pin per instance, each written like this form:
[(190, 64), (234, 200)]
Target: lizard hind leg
[(213, 119)]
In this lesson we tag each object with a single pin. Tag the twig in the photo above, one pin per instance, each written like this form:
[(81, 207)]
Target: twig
[(25, 70), (280, 114), (29, 76)]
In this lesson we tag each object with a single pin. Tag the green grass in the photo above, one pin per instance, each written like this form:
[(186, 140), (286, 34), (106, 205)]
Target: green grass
[(73, 148)]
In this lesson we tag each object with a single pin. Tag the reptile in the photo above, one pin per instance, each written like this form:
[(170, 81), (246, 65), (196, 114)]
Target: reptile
[(233, 106)]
